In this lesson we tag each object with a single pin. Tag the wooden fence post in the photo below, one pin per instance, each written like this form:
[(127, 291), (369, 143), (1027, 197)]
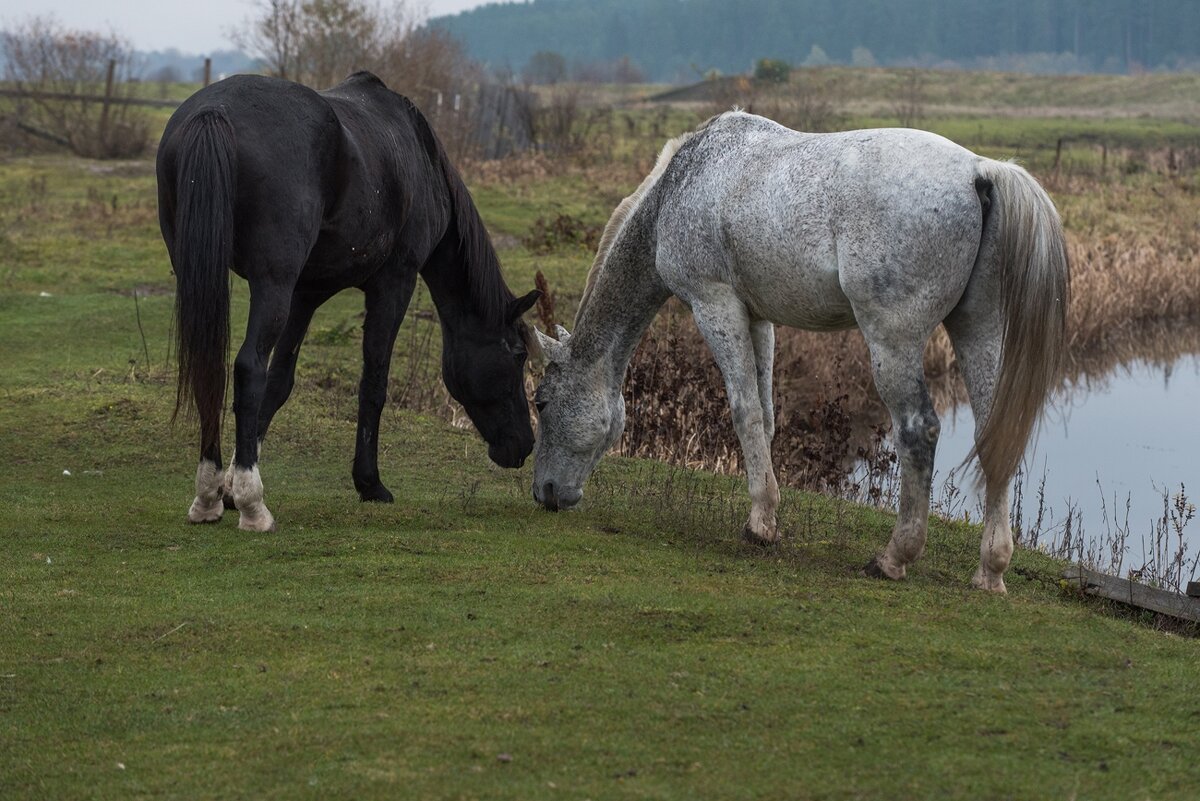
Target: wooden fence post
[(207, 71), (108, 93)]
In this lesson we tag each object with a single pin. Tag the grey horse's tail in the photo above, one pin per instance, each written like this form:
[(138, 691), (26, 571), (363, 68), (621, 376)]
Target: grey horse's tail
[(1031, 254)]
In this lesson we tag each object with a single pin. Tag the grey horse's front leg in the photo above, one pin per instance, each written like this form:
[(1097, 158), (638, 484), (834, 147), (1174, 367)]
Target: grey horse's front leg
[(726, 326), (900, 379)]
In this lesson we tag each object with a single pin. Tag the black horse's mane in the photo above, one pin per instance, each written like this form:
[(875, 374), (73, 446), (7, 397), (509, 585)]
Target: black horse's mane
[(489, 294)]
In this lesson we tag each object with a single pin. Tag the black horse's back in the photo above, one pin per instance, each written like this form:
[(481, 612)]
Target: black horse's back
[(287, 153)]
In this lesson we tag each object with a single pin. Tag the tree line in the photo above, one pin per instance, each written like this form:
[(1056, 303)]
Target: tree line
[(678, 39)]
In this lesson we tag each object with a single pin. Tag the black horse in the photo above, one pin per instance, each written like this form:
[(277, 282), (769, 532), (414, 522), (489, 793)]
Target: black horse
[(304, 194)]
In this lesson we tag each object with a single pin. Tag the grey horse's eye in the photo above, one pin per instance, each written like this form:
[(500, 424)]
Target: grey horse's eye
[(540, 405)]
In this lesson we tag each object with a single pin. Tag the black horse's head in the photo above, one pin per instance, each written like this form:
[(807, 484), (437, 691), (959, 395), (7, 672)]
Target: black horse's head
[(483, 366)]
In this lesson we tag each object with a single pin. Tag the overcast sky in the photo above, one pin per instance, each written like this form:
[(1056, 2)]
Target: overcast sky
[(199, 26)]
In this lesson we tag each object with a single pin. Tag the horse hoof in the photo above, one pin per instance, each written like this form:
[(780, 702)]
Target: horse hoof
[(263, 524), (203, 513), (376, 494), (875, 569), (752, 537), (989, 583)]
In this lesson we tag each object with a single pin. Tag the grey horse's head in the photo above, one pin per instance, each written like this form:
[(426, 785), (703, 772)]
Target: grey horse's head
[(581, 414)]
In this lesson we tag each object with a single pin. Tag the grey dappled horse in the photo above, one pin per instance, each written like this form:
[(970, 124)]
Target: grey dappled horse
[(895, 231)]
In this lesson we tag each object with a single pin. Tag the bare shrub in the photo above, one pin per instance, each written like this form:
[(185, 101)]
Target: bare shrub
[(909, 105), (563, 230), (725, 93), (1165, 551), (772, 70), (545, 66), (420, 62), (273, 37), (165, 77), (64, 76), (811, 102), (564, 121), (1166, 560), (320, 42), (557, 120)]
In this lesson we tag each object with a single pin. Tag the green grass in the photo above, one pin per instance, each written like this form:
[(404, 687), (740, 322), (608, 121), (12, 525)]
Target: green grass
[(1160, 95), (633, 649), (1020, 135), (462, 643)]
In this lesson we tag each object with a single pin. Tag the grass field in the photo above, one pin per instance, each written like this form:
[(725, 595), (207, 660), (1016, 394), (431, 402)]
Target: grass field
[(462, 643)]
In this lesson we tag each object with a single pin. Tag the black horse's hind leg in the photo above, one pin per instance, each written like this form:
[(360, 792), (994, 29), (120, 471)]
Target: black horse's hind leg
[(269, 304), (387, 300), (281, 375), (207, 506)]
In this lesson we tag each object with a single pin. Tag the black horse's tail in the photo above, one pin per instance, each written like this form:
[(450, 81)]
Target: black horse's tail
[(205, 186)]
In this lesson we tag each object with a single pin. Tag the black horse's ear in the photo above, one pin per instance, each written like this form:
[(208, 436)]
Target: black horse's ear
[(522, 304)]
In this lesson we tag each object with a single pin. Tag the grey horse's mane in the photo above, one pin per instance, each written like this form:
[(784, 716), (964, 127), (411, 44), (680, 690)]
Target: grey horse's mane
[(625, 209)]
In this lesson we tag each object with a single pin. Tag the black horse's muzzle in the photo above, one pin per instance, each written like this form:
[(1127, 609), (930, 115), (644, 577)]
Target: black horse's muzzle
[(510, 455)]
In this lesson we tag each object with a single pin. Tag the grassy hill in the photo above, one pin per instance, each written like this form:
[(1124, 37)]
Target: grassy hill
[(464, 644)]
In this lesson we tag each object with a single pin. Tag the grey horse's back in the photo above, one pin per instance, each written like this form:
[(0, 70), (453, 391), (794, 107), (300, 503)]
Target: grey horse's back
[(814, 228)]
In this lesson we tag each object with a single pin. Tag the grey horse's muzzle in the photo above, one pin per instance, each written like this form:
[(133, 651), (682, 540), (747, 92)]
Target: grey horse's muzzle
[(555, 498)]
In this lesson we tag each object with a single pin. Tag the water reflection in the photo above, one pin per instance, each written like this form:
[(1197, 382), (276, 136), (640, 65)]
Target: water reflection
[(1123, 429)]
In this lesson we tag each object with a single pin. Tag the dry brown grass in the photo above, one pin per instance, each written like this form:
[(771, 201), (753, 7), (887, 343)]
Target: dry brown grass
[(1121, 283), (1134, 245)]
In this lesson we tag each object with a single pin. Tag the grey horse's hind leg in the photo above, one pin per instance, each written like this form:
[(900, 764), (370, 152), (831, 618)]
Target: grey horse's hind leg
[(726, 326), (900, 379), (762, 333), (976, 330)]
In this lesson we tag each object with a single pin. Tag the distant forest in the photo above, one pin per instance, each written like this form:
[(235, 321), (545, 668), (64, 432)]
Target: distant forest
[(683, 39)]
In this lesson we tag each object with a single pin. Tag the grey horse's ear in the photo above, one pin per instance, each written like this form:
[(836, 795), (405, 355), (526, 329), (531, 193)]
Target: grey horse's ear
[(564, 336), (554, 350)]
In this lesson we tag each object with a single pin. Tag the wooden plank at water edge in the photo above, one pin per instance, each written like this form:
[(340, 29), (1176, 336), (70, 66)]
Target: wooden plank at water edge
[(1134, 594)]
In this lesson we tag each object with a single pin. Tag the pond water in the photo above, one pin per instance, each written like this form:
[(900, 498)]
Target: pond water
[(1125, 436)]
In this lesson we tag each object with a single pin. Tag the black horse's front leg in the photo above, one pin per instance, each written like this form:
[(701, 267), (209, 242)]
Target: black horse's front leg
[(386, 300)]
